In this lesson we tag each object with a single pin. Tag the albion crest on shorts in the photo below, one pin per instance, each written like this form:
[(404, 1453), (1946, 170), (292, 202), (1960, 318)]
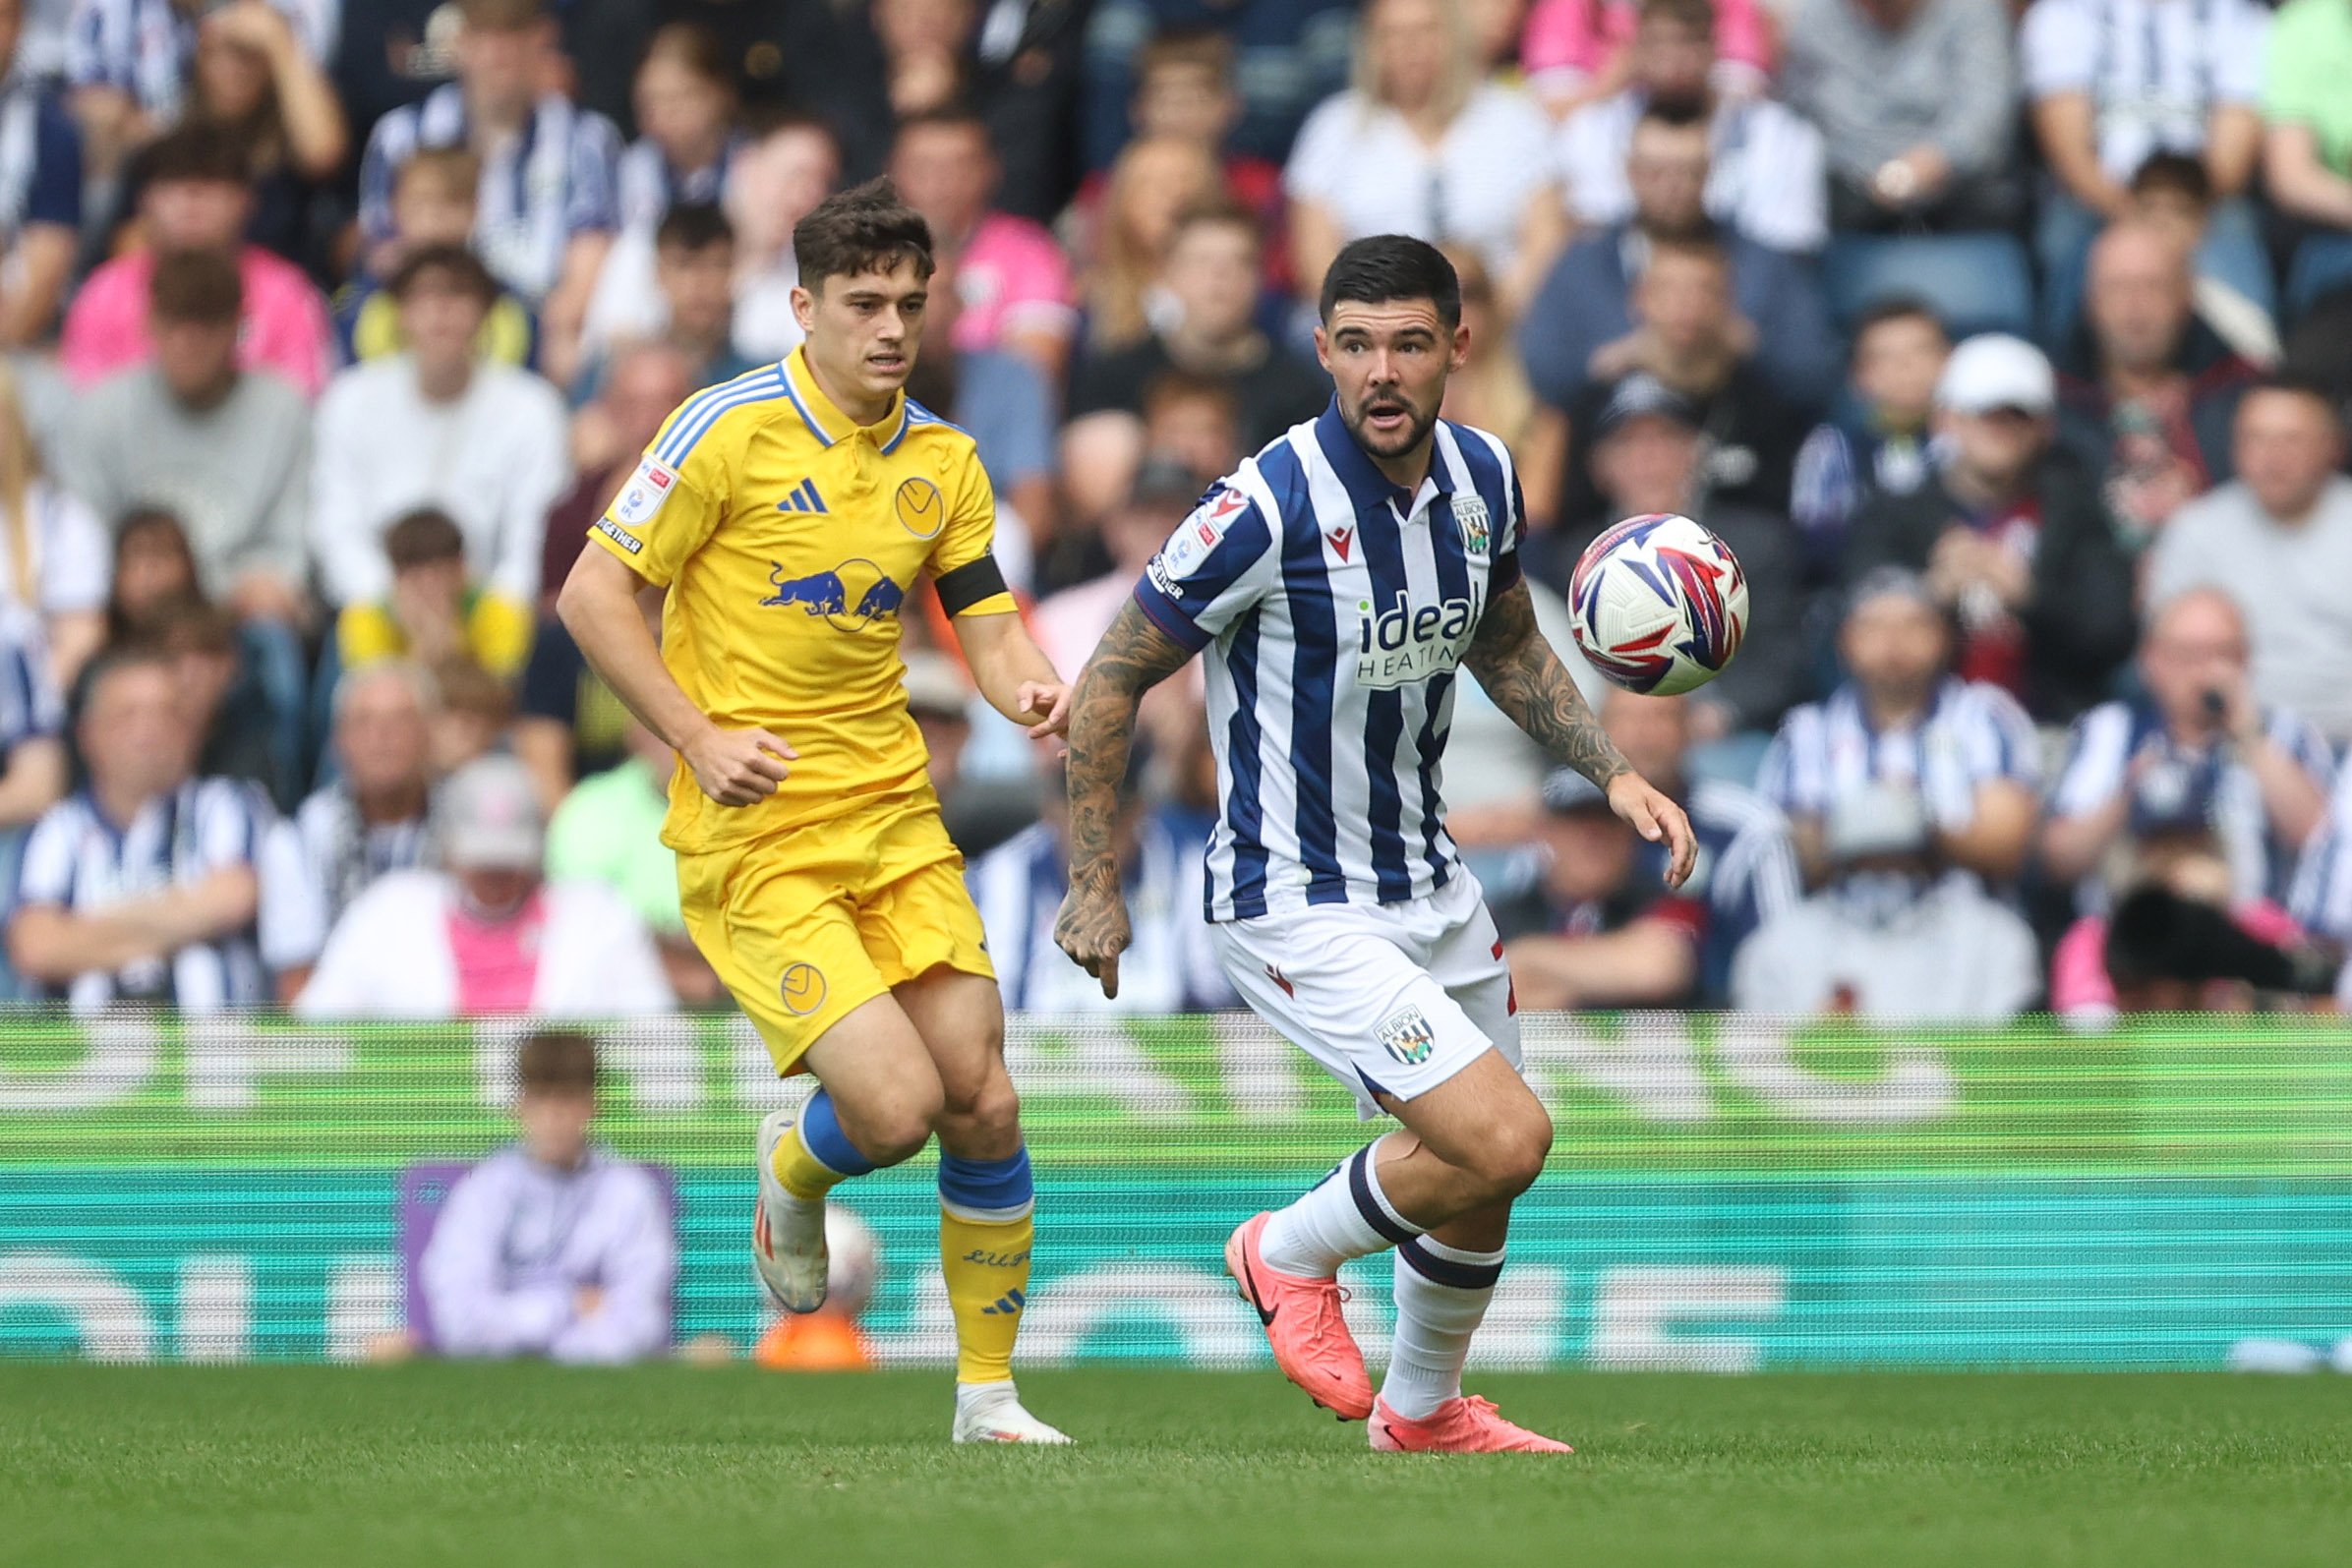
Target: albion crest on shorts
[(1406, 1035)]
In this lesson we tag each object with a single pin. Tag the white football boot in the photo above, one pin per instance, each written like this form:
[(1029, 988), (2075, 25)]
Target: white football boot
[(787, 1234), (991, 1413)]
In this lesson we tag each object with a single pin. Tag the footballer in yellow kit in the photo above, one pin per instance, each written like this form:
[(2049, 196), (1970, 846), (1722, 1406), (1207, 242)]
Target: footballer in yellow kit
[(792, 516)]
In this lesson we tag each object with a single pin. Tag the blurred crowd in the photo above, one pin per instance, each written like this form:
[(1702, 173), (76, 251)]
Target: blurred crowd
[(2009, 347)]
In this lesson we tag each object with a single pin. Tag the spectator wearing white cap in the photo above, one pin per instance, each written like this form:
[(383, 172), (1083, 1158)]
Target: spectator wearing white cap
[(2278, 540), (2011, 534), (1902, 718), (486, 934), (1893, 937)]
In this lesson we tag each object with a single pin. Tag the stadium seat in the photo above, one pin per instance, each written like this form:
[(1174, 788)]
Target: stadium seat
[(1977, 282)]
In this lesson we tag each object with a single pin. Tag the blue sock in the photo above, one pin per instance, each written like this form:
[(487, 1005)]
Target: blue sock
[(822, 1137), (985, 1190)]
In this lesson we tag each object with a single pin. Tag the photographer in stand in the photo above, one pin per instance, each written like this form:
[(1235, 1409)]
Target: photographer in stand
[(2259, 775)]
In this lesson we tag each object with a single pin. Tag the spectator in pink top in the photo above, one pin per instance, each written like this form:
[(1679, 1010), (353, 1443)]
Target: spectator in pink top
[(195, 198), (1574, 50), (1012, 284)]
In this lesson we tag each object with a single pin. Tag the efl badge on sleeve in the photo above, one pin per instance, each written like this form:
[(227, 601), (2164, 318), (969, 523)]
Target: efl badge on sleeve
[(1200, 533), (642, 498)]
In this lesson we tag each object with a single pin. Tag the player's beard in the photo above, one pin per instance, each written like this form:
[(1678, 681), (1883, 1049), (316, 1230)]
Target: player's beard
[(1417, 427)]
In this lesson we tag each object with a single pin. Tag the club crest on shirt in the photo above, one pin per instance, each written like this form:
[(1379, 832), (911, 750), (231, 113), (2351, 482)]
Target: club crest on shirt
[(1470, 516), (920, 511), (642, 500), (1407, 1035)]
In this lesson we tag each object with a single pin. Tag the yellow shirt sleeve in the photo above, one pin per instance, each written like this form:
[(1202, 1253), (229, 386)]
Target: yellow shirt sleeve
[(663, 514), (970, 530)]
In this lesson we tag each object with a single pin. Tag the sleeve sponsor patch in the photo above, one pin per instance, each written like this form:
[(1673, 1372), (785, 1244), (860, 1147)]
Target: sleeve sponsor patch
[(642, 498), (1200, 533), (621, 537)]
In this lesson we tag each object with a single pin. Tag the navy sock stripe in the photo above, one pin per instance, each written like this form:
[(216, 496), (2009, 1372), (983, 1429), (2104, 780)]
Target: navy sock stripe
[(822, 1135), (1359, 1183), (1445, 1271), (987, 1184)]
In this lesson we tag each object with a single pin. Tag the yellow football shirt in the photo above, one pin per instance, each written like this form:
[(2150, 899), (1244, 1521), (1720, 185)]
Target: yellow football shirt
[(789, 539)]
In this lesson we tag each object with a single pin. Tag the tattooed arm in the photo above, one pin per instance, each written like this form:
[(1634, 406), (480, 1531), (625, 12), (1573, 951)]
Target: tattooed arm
[(1133, 656), (1529, 684)]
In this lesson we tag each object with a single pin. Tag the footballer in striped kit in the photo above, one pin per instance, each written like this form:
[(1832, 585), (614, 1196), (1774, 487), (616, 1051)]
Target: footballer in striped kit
[(1336, 586)]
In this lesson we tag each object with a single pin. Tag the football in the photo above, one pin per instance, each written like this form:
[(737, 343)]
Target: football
[(1659, 605)]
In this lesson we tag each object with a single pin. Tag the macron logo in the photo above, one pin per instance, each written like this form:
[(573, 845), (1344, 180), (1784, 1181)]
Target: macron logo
[(1342, 539), (803, 498)]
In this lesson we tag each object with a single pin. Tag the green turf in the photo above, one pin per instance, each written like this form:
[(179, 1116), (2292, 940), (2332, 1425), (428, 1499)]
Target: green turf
[(517, 1466)]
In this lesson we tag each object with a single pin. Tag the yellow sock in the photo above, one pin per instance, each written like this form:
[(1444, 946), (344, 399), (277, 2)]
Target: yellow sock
[(802, 1174), (987, 1267)]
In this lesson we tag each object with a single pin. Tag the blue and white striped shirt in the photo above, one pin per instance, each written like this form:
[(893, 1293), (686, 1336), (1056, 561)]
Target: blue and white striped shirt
[(147, 49), (2098, 768), (555, 181), (1340, 608), (78, 861), (1971, 733), (30, 705)]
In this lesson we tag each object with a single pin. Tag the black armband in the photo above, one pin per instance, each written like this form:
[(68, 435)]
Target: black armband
[(970, 584)]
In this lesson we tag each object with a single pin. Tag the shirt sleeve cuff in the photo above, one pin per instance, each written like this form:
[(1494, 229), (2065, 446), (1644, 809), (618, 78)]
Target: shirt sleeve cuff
[(624, 546), (1168, 617), (994, 605), (1503, 575)]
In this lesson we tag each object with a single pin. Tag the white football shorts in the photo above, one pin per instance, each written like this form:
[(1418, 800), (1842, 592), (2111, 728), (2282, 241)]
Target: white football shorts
[(1390, 999)]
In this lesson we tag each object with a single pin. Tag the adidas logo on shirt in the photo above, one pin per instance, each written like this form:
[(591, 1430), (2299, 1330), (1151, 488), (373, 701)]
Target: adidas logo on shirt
[(803, 498)]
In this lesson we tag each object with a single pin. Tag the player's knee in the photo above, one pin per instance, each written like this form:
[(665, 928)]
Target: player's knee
[(1512, 1155), (895, 1131)]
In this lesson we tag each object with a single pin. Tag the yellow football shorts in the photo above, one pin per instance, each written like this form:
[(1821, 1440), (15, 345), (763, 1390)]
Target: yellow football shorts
[(807, 925)]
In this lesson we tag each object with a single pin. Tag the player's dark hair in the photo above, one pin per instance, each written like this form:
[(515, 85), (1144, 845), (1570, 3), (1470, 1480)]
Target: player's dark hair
[(863, 230), (1392, 266), (561, 1060), (694, 227), (423, 538), (1898, 308), (193, 155), (446, 264), (196, 288)]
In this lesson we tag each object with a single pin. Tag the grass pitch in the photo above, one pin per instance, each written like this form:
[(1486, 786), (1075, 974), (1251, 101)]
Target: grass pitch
[(517, 1466)]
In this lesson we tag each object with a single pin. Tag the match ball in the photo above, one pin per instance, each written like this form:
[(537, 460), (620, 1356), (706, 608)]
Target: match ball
[(854, 1261), (1659, 605)]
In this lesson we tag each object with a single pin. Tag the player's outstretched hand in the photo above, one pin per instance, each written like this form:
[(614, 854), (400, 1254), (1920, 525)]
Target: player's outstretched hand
[(739, 767), (1044, 705), (1657, 819), (1092, 929)]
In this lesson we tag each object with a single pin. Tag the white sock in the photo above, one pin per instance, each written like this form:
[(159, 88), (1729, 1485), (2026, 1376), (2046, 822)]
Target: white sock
[(1441, 1295), (1345, 1215)]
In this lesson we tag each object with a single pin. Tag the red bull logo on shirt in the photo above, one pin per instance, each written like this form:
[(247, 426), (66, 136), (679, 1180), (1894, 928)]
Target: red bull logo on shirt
[(850, 598)]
